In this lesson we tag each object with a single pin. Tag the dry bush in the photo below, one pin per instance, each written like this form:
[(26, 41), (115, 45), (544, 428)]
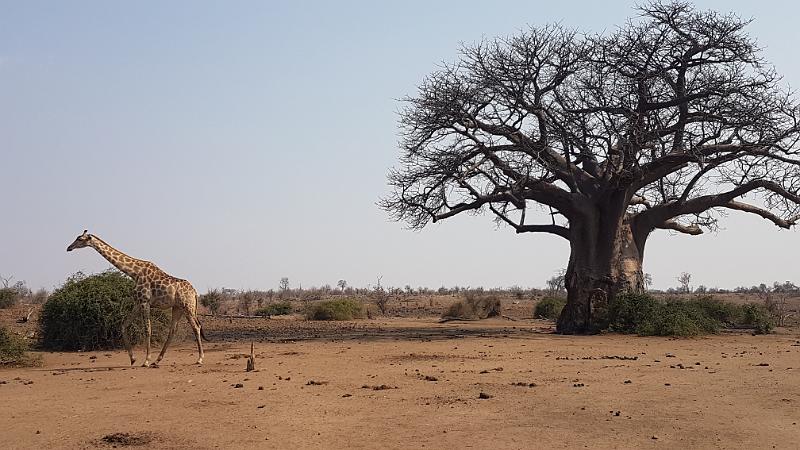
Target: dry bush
[(8, 297), (14, 350), (474, 307)]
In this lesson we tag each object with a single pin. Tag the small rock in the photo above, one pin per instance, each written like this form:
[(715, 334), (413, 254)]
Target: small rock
[(484, 395), (237, 385), (628, 382), (346, 395)]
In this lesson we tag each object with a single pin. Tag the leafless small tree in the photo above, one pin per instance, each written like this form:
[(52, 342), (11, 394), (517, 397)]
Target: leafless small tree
[(684, 280), (342, 284), (380, 297), (556, 284), (284, 285), (777, 302), (648, 281)]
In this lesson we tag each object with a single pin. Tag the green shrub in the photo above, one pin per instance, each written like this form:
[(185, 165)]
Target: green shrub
[(474, 307), (644, 315), (8, 297), (549, 308), (86, 313), (275, 309), (757, 317), (344, 309), (13, 350), (633, 313)]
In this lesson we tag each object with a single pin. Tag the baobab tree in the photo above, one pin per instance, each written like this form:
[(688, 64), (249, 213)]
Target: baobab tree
[(667, 123)]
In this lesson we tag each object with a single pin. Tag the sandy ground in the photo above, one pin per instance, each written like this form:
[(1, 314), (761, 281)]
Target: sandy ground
[(416, 384)]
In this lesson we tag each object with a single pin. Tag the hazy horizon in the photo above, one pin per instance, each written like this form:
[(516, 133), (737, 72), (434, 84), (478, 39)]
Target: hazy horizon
[(235, 144)]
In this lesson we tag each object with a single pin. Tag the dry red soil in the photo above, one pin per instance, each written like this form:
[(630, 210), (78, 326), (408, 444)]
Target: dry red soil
[(415, 383)]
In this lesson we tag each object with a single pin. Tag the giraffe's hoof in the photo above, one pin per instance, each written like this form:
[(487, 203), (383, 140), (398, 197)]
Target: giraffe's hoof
[(200, 362), (146, 364)]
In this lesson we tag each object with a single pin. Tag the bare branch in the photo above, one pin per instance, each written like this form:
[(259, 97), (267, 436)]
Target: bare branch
[(692, 229), (782, 223), (522, 228)]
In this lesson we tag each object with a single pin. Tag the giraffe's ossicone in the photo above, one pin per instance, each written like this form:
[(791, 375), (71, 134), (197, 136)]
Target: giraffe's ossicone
[(153, 288)]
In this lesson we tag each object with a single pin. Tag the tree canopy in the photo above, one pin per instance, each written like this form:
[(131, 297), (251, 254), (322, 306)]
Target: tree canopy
[(677, 105)]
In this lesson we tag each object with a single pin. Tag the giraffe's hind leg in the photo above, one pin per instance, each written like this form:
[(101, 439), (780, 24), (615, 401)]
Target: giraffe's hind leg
[(177, 312), (195, 324), (149, 330), (126, 324)]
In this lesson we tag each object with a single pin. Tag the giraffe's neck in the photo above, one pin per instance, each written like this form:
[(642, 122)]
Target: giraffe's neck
[(120, 260)]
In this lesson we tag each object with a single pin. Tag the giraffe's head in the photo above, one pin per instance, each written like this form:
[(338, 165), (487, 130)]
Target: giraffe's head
[(81, 241)]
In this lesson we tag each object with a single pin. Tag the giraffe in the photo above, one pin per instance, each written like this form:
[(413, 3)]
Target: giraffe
[(154, 288)]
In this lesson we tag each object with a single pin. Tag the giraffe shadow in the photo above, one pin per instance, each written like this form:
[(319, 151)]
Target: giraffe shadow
[(90, 369), (370, 332)]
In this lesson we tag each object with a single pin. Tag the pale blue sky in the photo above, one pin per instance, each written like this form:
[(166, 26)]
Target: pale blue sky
[(234, 143)]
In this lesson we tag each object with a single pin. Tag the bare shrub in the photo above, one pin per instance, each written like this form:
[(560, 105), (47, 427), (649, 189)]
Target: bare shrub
[(473, 307), (212, 300), (380, 297)]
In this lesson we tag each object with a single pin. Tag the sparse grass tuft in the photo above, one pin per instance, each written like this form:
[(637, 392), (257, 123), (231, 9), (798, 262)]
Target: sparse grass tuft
[(549, 307), (340, 309)]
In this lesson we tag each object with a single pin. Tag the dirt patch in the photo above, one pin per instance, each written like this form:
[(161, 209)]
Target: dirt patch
[(126, 439), (414, 357)]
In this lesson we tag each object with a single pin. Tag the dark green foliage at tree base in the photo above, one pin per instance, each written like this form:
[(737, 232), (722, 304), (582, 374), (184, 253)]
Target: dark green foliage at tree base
[(549, 308), (87, 312), (647, 316)]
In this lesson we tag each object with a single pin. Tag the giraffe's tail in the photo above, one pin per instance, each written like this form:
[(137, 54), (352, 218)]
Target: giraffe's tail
[(202, 335), (196, 301)]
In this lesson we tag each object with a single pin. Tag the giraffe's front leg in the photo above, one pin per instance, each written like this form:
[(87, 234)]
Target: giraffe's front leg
[(146, 312), (126, 324)]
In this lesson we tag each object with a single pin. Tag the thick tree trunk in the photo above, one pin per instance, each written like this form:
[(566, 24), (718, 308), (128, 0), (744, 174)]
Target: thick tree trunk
[(605, 260)]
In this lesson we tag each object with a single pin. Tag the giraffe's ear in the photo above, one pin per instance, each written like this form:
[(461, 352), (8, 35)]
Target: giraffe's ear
[(84, 232)]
